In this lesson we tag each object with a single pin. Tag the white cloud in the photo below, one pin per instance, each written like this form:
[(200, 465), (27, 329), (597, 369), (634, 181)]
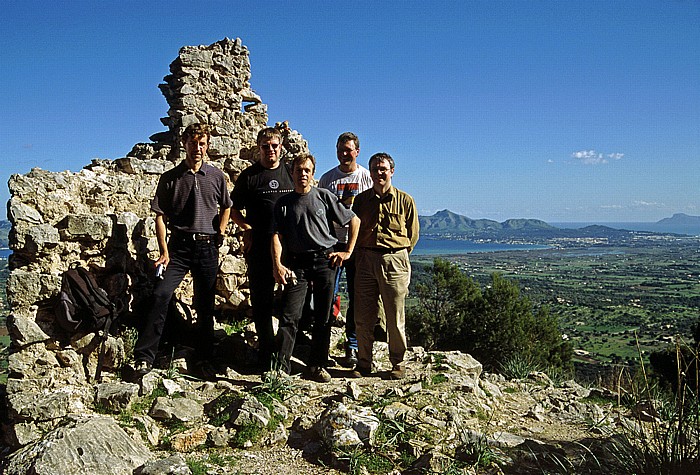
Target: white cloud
[(591, 157), (647, 204)]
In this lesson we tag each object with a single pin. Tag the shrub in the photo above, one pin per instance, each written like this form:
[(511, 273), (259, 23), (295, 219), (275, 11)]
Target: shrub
[(670, 442), (494, 325)]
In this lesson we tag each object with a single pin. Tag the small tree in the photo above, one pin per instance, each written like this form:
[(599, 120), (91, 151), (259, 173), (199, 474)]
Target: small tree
[(445, 297), (493, 325), (500, 331)]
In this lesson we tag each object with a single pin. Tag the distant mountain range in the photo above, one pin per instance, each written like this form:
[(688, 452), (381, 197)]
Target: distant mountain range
[(680, 219), (445, 223)]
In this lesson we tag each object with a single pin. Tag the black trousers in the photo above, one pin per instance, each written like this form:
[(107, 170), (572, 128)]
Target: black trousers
[(312, 268), (262, 295), (201, 258)]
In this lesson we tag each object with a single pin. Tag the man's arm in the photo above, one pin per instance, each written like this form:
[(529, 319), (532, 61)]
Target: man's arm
[(238, 218), (337, 258), (412, 226), (224, 217), (279, 272), (161, 234)]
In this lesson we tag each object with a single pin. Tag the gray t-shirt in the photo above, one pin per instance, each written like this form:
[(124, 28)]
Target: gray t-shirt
[(305, 221)]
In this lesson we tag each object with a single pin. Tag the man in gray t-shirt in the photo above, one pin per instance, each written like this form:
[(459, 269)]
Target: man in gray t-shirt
[(303, 229)]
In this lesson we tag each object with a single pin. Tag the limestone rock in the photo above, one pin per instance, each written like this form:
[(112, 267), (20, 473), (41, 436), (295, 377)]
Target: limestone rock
[(181, 409), (116, 396), (340, 426), (25, 331), (189, 440), (83, 445), (150, 427), (173, 465), (248, 410)]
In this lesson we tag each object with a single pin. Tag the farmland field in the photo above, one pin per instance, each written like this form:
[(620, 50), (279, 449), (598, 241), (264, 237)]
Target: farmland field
[(608, 299)]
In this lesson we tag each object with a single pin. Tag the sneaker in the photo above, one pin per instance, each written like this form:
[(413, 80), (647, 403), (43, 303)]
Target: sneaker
[(319, 374), (141, 369), (361, 372), (397, 373)]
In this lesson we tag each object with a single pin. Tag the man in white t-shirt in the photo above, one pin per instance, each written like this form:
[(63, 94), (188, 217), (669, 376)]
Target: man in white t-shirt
[(346, 181)]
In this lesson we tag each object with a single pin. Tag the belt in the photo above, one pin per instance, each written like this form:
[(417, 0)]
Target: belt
[(384, 250), (319, 253), (193, 236)]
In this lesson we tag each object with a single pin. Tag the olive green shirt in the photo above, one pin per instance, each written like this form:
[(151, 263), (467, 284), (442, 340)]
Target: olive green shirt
[(390, 222)]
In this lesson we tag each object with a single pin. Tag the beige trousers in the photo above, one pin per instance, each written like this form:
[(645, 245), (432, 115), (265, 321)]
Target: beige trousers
[(388, 276)]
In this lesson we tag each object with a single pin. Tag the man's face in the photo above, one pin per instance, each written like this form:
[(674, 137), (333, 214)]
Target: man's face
[(381, 173), (196, 149), (270, 152), (347, 155), (303, 175)]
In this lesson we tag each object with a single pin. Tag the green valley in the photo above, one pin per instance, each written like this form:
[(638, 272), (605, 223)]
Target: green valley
[(608, 299)]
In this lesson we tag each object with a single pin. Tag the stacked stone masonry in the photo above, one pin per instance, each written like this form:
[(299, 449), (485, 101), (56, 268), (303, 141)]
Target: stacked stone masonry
[(100, 218)]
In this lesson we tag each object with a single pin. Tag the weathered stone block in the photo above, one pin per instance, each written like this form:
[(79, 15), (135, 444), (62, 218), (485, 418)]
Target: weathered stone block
[(93, 227)]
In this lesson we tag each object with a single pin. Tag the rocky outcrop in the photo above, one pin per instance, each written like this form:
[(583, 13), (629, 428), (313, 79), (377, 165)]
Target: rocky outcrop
[(100, 218), (443, 413)]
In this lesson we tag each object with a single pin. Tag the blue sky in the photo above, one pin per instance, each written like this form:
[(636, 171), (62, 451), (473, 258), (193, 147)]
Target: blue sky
[(565, 111)]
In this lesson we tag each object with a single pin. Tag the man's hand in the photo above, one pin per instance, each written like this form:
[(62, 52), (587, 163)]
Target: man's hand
[(219, 240), (163, 259), (280, 274), (247, 240), (337, 258)]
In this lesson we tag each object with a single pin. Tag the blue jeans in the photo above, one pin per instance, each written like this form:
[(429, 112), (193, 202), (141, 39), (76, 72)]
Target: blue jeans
[(309, 268), (349, 267), (201, 258)]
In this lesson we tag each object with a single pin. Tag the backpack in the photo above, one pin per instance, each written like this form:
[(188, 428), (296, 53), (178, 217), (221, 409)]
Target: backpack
[(84, 307)]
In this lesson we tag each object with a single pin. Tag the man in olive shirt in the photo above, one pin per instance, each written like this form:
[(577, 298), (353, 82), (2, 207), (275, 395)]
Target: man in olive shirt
[(388, 233)]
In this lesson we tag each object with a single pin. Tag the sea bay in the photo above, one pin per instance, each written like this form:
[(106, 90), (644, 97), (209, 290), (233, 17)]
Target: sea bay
[(436, 247)]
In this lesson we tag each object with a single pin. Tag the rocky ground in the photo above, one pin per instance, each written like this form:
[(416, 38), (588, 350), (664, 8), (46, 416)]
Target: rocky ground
[(446, 416)]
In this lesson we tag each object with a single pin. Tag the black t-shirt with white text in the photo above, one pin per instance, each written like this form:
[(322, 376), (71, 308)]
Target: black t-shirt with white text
[(257, 190)]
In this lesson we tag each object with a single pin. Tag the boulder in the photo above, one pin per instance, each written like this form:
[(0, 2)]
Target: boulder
[(84, 444)]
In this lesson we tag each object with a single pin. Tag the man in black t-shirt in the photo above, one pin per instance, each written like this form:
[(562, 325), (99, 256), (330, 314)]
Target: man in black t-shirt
[(256, 191)]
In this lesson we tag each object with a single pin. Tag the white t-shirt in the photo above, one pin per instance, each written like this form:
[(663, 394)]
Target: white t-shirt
[(346, 186)]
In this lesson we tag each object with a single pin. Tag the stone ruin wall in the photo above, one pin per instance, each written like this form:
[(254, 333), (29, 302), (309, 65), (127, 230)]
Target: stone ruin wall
[(100, 218)]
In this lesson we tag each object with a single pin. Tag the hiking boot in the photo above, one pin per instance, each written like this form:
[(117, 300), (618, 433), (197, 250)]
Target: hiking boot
[(350, 357), (361, 372), (205, 370), (319, 374), (397, 373), (141, 369)]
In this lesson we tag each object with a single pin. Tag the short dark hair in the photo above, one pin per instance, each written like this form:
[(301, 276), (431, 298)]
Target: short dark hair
[(346, 136), (380, 157), (196, 130), (267, 133), (299, 159)]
